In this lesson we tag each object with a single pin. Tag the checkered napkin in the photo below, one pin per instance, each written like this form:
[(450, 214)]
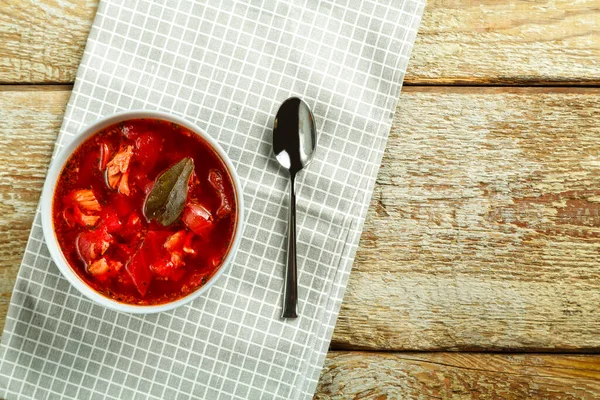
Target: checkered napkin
[(226, 66)]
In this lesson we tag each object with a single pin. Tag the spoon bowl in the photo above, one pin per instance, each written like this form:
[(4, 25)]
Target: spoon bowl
[(294, 144), (294, 135)]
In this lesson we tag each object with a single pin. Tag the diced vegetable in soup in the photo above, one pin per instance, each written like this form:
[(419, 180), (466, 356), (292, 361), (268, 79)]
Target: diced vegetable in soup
[(144, 211)]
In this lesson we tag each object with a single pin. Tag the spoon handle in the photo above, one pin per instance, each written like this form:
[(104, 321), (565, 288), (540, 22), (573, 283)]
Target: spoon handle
[(290, 284)]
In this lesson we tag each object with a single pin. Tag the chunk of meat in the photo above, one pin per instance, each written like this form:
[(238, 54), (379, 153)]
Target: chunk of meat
[(216, 181), (174, 245), (103, 269), (177, 259), (79, 208), (93, 244), (84, 199), (175, 242), (124, 184), (187, 246), (98, 267), (113, 180), (168, 259), (115, 266), (82, 219), (197, 218), (117, 170), (73, 216)]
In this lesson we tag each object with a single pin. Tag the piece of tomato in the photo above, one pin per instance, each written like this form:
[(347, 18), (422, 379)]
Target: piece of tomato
[(197, 218), (125, 280), (177, 274), (87, 167), (139, 178), (122, 251), (122, 205), (148, 148), (110, 219), (161, 267), (139, 271), (154, 245), (132, 230)]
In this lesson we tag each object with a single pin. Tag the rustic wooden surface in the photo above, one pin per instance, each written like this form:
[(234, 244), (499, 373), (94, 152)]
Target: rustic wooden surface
[(460, 41), (483, 232), (458, 376), (483, 229)]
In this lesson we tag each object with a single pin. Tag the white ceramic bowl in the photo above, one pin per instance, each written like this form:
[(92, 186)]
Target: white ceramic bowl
[(48, 226)]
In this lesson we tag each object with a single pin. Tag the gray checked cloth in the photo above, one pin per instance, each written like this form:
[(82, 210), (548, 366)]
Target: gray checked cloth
[(226, 66)]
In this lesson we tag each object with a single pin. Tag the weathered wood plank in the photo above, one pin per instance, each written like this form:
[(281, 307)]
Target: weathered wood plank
[(43, 41), (482, 233), (460, 41), (507, 42), (354, 375), (29, 123), (483, 229)]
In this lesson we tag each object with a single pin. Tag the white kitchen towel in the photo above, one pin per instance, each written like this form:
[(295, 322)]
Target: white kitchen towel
[(226, 66)]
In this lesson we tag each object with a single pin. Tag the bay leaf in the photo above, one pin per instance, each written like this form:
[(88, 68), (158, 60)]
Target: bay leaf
[(166, 200)]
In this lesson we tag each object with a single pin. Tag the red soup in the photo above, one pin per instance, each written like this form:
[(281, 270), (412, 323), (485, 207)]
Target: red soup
[(144, 211)]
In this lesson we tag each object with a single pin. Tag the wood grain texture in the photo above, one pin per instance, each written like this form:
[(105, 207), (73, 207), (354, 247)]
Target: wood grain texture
[(482, 233), (29, 123), (460, 41), (356, 375), (43, 41), (483, 229), (511, 42)]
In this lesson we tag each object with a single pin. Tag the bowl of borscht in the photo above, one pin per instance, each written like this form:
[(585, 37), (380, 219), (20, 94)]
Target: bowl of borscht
[(142, 211)]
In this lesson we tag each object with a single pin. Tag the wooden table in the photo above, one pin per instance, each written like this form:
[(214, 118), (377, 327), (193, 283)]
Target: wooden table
[(478, 274)]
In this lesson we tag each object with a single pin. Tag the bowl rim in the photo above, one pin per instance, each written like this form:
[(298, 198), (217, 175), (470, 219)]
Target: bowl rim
[(47, 197)]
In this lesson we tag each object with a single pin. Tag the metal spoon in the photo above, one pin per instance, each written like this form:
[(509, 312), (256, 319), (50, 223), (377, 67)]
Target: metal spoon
[(294, 143)]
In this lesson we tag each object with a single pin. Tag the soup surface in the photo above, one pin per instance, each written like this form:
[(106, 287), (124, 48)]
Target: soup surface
[(144, 211)]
